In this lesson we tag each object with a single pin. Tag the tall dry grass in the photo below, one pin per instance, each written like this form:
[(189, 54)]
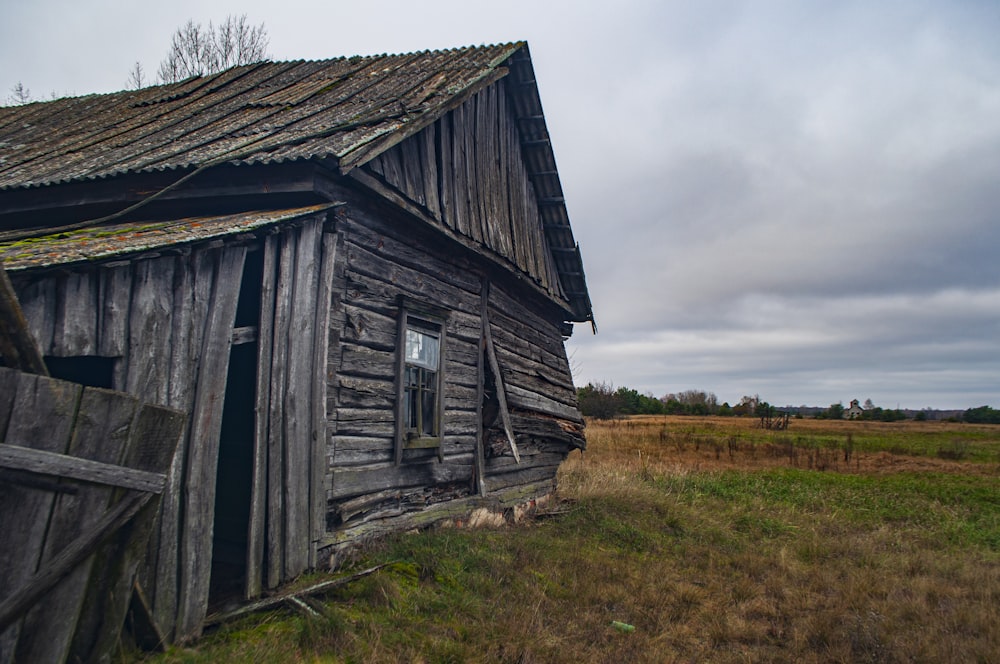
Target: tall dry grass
[(714, 541)]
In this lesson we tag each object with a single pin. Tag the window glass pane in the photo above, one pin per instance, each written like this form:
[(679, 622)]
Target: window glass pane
[(428, 404), (422, 349)]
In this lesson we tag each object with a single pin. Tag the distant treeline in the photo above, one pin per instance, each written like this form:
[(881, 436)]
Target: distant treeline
[(603, 401)]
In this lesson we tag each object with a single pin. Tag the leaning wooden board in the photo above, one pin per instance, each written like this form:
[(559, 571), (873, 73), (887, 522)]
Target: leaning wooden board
[(81, 471)]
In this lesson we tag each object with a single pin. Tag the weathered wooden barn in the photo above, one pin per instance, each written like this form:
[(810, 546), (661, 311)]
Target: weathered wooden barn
[(355, 276)]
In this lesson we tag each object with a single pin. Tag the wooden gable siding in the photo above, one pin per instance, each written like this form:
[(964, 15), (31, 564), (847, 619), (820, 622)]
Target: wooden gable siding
[(466, 171)]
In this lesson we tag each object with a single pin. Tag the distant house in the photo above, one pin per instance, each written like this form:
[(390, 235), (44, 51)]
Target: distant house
[(354, 275), (854, 412)]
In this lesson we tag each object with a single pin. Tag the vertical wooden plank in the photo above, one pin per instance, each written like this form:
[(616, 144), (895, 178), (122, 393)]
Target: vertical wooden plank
[(321, 378), (472, 214), (446, 178), (400, 428), (298, 400), (276, 431), (150, 313), (429, 169), (256, 533), (192, 289), (101, 434), (115, 292), (8, 391), (75, 331), (481, 389), (480, 141), (203, 457), (42, 418), (460, 172), (412, 172)]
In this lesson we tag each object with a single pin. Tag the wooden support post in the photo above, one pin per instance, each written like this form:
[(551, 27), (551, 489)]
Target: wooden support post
[(481, 390), (18, 347)]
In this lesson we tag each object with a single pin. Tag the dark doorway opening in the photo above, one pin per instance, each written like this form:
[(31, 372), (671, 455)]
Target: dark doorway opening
[(91, 370), (234, 476)]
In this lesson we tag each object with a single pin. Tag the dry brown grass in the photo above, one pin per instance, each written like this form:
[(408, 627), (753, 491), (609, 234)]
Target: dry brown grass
[(714, 553)]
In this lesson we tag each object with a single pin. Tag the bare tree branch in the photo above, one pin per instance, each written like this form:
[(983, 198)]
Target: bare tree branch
[(19, 95), (136, 77), (197, 51)]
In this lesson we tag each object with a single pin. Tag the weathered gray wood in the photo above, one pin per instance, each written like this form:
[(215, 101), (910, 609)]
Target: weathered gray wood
[(17, 347), (115, 292), (321, 379), (257, 534), (203, 457), (445, 181), (522, 477), (150, 330), (42, 418), (491, 355), (298, 401), (429, 159), (481, 394), (151, 447), (276, 435), (192, 287), (539, 402), (276, 600), (100, 435), (356, 482), (79, 468), (77, 310), (38, 584), (367, 363), (38, 302), (8, 392)]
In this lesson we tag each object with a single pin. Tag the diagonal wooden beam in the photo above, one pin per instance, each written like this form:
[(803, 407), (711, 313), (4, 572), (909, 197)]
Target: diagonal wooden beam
[(491, 354), (83, 546), (18, 347)]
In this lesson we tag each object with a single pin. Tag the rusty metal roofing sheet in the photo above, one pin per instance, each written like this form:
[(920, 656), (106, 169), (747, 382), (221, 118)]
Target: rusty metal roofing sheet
[(98, 243)]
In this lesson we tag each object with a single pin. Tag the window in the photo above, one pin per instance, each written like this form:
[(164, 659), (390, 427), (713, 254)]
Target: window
[(420, 382), (421, 350)]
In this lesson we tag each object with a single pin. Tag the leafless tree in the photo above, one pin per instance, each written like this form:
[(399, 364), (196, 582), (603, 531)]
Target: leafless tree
[(196, 51), (19, 95), (136, 77)]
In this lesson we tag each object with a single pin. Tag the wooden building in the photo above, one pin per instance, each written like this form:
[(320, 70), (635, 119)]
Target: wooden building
[(354, 275)]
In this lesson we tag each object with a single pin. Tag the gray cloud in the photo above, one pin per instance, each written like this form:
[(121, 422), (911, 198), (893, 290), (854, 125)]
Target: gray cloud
[(793, 199)]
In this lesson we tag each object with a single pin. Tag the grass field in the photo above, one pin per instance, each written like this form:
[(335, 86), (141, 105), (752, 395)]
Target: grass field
[(691, 539)]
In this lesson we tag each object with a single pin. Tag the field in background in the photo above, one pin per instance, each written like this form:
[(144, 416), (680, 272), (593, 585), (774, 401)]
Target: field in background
[(704, 539)]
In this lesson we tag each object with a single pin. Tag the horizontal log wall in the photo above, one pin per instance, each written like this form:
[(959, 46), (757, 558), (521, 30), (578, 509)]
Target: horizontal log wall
[(377, 267), (378, 263)]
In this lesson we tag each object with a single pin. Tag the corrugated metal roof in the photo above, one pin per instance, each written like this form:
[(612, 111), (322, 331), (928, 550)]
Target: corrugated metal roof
[(344, 110), (255, 113), (100, 243)]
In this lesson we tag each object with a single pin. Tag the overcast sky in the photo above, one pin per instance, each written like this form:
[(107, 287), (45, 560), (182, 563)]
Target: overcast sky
[(796, 199)]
